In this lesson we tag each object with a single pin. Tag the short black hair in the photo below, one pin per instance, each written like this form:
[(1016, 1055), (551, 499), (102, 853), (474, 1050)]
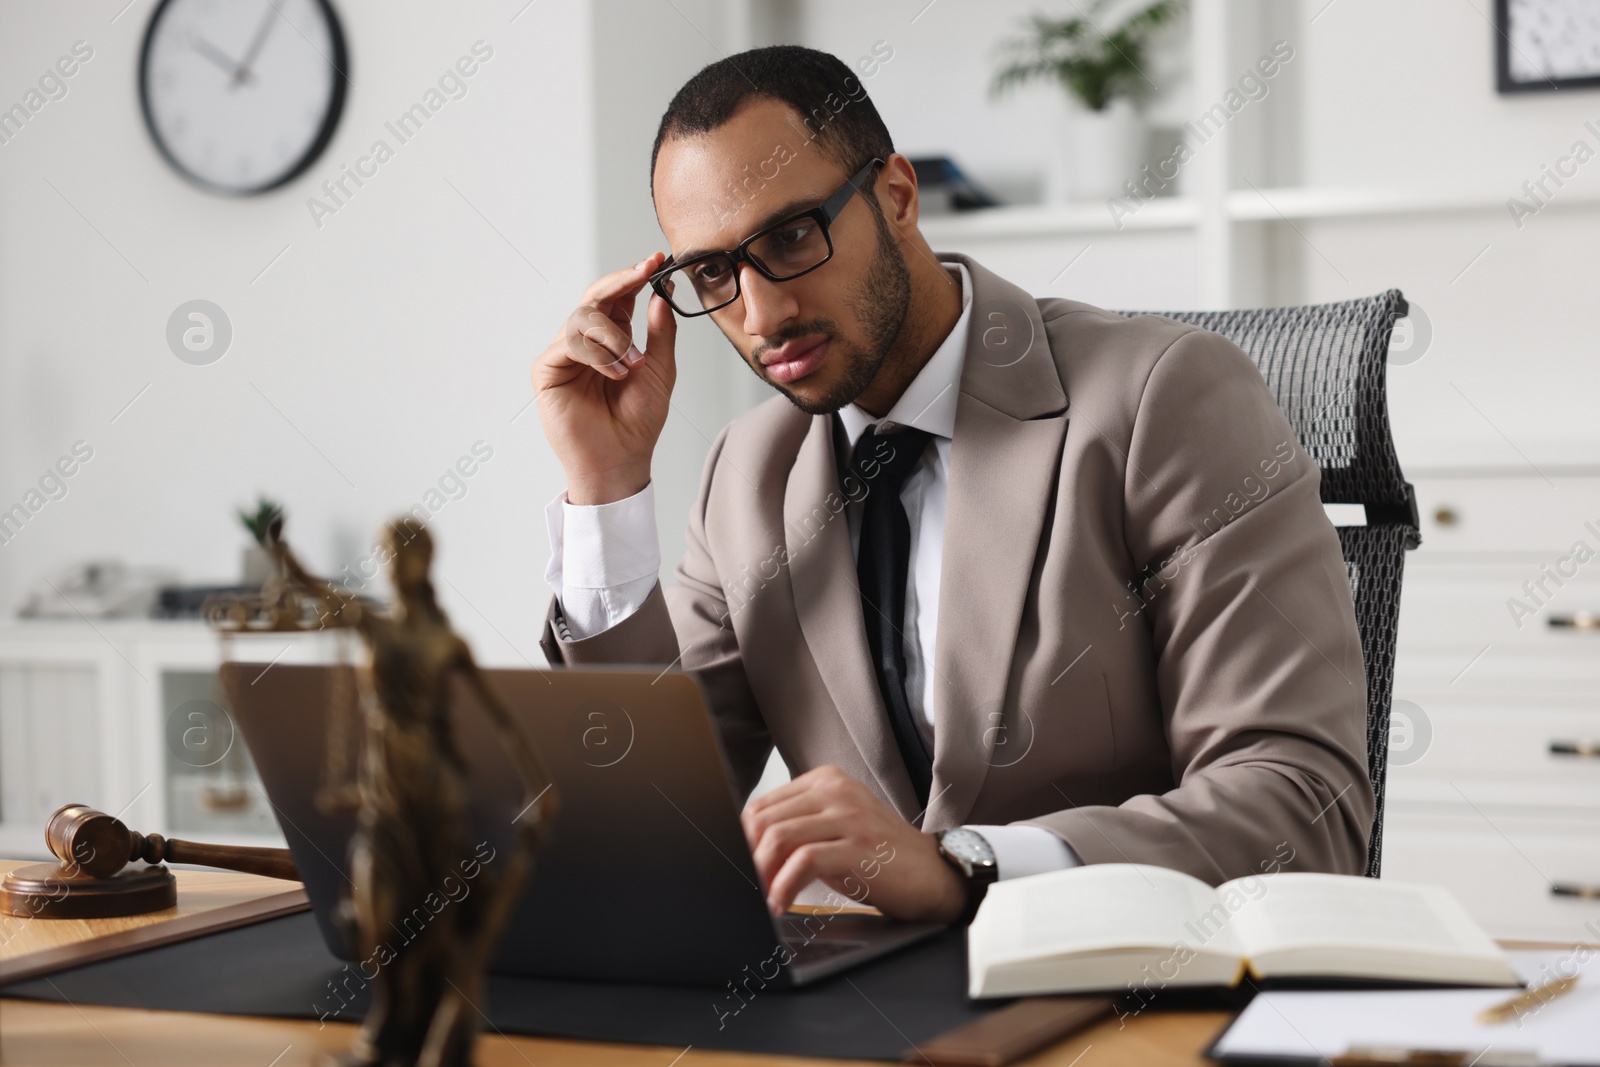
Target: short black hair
[(831, 101)]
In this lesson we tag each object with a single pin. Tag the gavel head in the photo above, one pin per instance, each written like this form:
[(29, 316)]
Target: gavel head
[(88, 841), (89, 881)]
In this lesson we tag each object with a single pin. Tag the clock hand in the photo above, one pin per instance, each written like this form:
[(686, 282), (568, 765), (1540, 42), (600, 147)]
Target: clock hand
[(268, 21), (215, 54)]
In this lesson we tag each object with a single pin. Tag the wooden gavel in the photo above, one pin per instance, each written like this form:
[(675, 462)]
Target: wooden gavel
[(91, 880), (100, 846)]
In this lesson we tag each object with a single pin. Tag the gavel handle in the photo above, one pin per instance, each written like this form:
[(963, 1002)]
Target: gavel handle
[(271, 862)]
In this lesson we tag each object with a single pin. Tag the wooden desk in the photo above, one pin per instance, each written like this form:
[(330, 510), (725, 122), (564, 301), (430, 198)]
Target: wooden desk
[(42, 1034), (215, 897)]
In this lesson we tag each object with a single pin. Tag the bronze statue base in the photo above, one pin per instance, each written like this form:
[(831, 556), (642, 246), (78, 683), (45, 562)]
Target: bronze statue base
[(47, 891)]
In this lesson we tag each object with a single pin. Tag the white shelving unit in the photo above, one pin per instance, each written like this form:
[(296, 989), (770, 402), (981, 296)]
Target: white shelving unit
[(1202, 227), (1379, 158)]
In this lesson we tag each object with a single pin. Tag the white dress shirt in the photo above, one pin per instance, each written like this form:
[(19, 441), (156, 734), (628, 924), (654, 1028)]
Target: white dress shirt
[(604, 560)]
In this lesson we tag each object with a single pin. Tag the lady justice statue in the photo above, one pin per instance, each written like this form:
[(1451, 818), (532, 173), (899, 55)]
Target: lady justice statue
[(413, 828)]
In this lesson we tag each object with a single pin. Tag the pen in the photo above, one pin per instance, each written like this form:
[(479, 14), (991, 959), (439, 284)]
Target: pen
[(1531, 998)]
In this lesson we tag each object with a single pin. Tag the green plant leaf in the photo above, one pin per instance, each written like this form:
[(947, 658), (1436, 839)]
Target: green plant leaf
[(1095, 65), (260, 520)]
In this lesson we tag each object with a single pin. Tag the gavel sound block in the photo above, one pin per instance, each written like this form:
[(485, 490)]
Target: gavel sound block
[(93, 881)]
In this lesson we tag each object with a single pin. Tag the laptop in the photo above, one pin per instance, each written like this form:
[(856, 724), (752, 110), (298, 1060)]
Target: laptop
[(646, 877)]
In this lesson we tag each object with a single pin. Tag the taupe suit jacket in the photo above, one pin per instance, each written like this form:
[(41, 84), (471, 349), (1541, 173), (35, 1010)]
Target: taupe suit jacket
[(1146, 641)]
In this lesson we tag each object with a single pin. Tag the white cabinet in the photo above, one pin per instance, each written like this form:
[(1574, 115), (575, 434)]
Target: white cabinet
[(49, 717), (1494, 777), (129, 717)]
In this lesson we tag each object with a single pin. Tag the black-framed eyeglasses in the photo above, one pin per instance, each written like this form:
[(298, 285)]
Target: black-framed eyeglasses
[(783, 251)]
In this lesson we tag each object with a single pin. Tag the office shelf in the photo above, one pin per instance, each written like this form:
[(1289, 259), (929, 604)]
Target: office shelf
[(1306, 202), (1275, 204), (1060, 220)]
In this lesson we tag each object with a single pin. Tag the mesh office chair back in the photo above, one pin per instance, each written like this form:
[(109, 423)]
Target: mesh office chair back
[(1326, 365)]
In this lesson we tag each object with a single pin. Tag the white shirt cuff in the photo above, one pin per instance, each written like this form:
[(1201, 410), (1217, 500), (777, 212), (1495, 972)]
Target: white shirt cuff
[(604, 559), (1023, 850)]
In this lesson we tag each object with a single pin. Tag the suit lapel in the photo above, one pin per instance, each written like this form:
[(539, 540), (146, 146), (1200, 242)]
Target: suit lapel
[(1004, 461), (827, 601)]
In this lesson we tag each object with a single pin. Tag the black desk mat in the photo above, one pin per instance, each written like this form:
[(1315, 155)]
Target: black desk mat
[(281, 968)]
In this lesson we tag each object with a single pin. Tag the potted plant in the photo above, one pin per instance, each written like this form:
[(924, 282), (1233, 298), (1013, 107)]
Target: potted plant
[(258, 563), (1101, 65)]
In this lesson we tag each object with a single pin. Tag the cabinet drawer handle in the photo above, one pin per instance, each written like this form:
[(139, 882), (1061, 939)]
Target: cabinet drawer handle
[(1579, 620), (1572, 889), (1585, 749)]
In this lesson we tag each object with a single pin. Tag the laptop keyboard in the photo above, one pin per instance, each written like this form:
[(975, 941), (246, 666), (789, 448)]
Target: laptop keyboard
[(817, 949)]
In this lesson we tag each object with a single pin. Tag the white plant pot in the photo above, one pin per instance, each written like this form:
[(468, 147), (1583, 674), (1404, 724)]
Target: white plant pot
[(258, 566), (1100, 152)]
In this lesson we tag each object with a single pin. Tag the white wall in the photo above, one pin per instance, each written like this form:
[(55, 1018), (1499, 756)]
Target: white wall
[(645, 53), (377, 349)]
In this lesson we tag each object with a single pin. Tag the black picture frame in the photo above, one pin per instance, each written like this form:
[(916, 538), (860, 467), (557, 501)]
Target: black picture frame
[(330, 123), (1505, 83)]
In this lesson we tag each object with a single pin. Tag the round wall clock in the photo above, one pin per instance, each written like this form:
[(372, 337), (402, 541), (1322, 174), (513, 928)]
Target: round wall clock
[(242, 95)]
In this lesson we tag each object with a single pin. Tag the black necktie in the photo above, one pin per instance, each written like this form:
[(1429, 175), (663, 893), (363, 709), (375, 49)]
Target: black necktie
[(881, 463)]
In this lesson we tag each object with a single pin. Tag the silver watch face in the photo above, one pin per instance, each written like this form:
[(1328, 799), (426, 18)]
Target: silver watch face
[(968, 846)]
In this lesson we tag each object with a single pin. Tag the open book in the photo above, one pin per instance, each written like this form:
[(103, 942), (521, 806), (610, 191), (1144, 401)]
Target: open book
[(1114, 925)]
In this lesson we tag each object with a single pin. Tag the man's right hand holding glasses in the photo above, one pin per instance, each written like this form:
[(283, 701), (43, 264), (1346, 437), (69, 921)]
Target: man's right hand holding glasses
[(603, 402)]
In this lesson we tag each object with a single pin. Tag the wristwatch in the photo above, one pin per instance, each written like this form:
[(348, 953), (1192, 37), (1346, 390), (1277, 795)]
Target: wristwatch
[(973, 858)]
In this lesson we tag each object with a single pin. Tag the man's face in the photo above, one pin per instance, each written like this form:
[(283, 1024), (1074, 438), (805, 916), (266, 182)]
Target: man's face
[(819, 338)]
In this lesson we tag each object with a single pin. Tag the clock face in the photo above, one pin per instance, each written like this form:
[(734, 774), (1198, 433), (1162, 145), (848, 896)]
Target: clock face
[(242, 95)]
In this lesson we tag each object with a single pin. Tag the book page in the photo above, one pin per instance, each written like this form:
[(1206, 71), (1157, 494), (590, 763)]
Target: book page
[(1095, 908), (1298, 912)]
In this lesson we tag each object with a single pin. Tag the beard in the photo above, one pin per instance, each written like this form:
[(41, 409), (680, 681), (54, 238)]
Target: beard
[(880, 305)]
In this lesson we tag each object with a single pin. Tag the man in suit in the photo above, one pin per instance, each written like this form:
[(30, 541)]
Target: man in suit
[(1011, 584)]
